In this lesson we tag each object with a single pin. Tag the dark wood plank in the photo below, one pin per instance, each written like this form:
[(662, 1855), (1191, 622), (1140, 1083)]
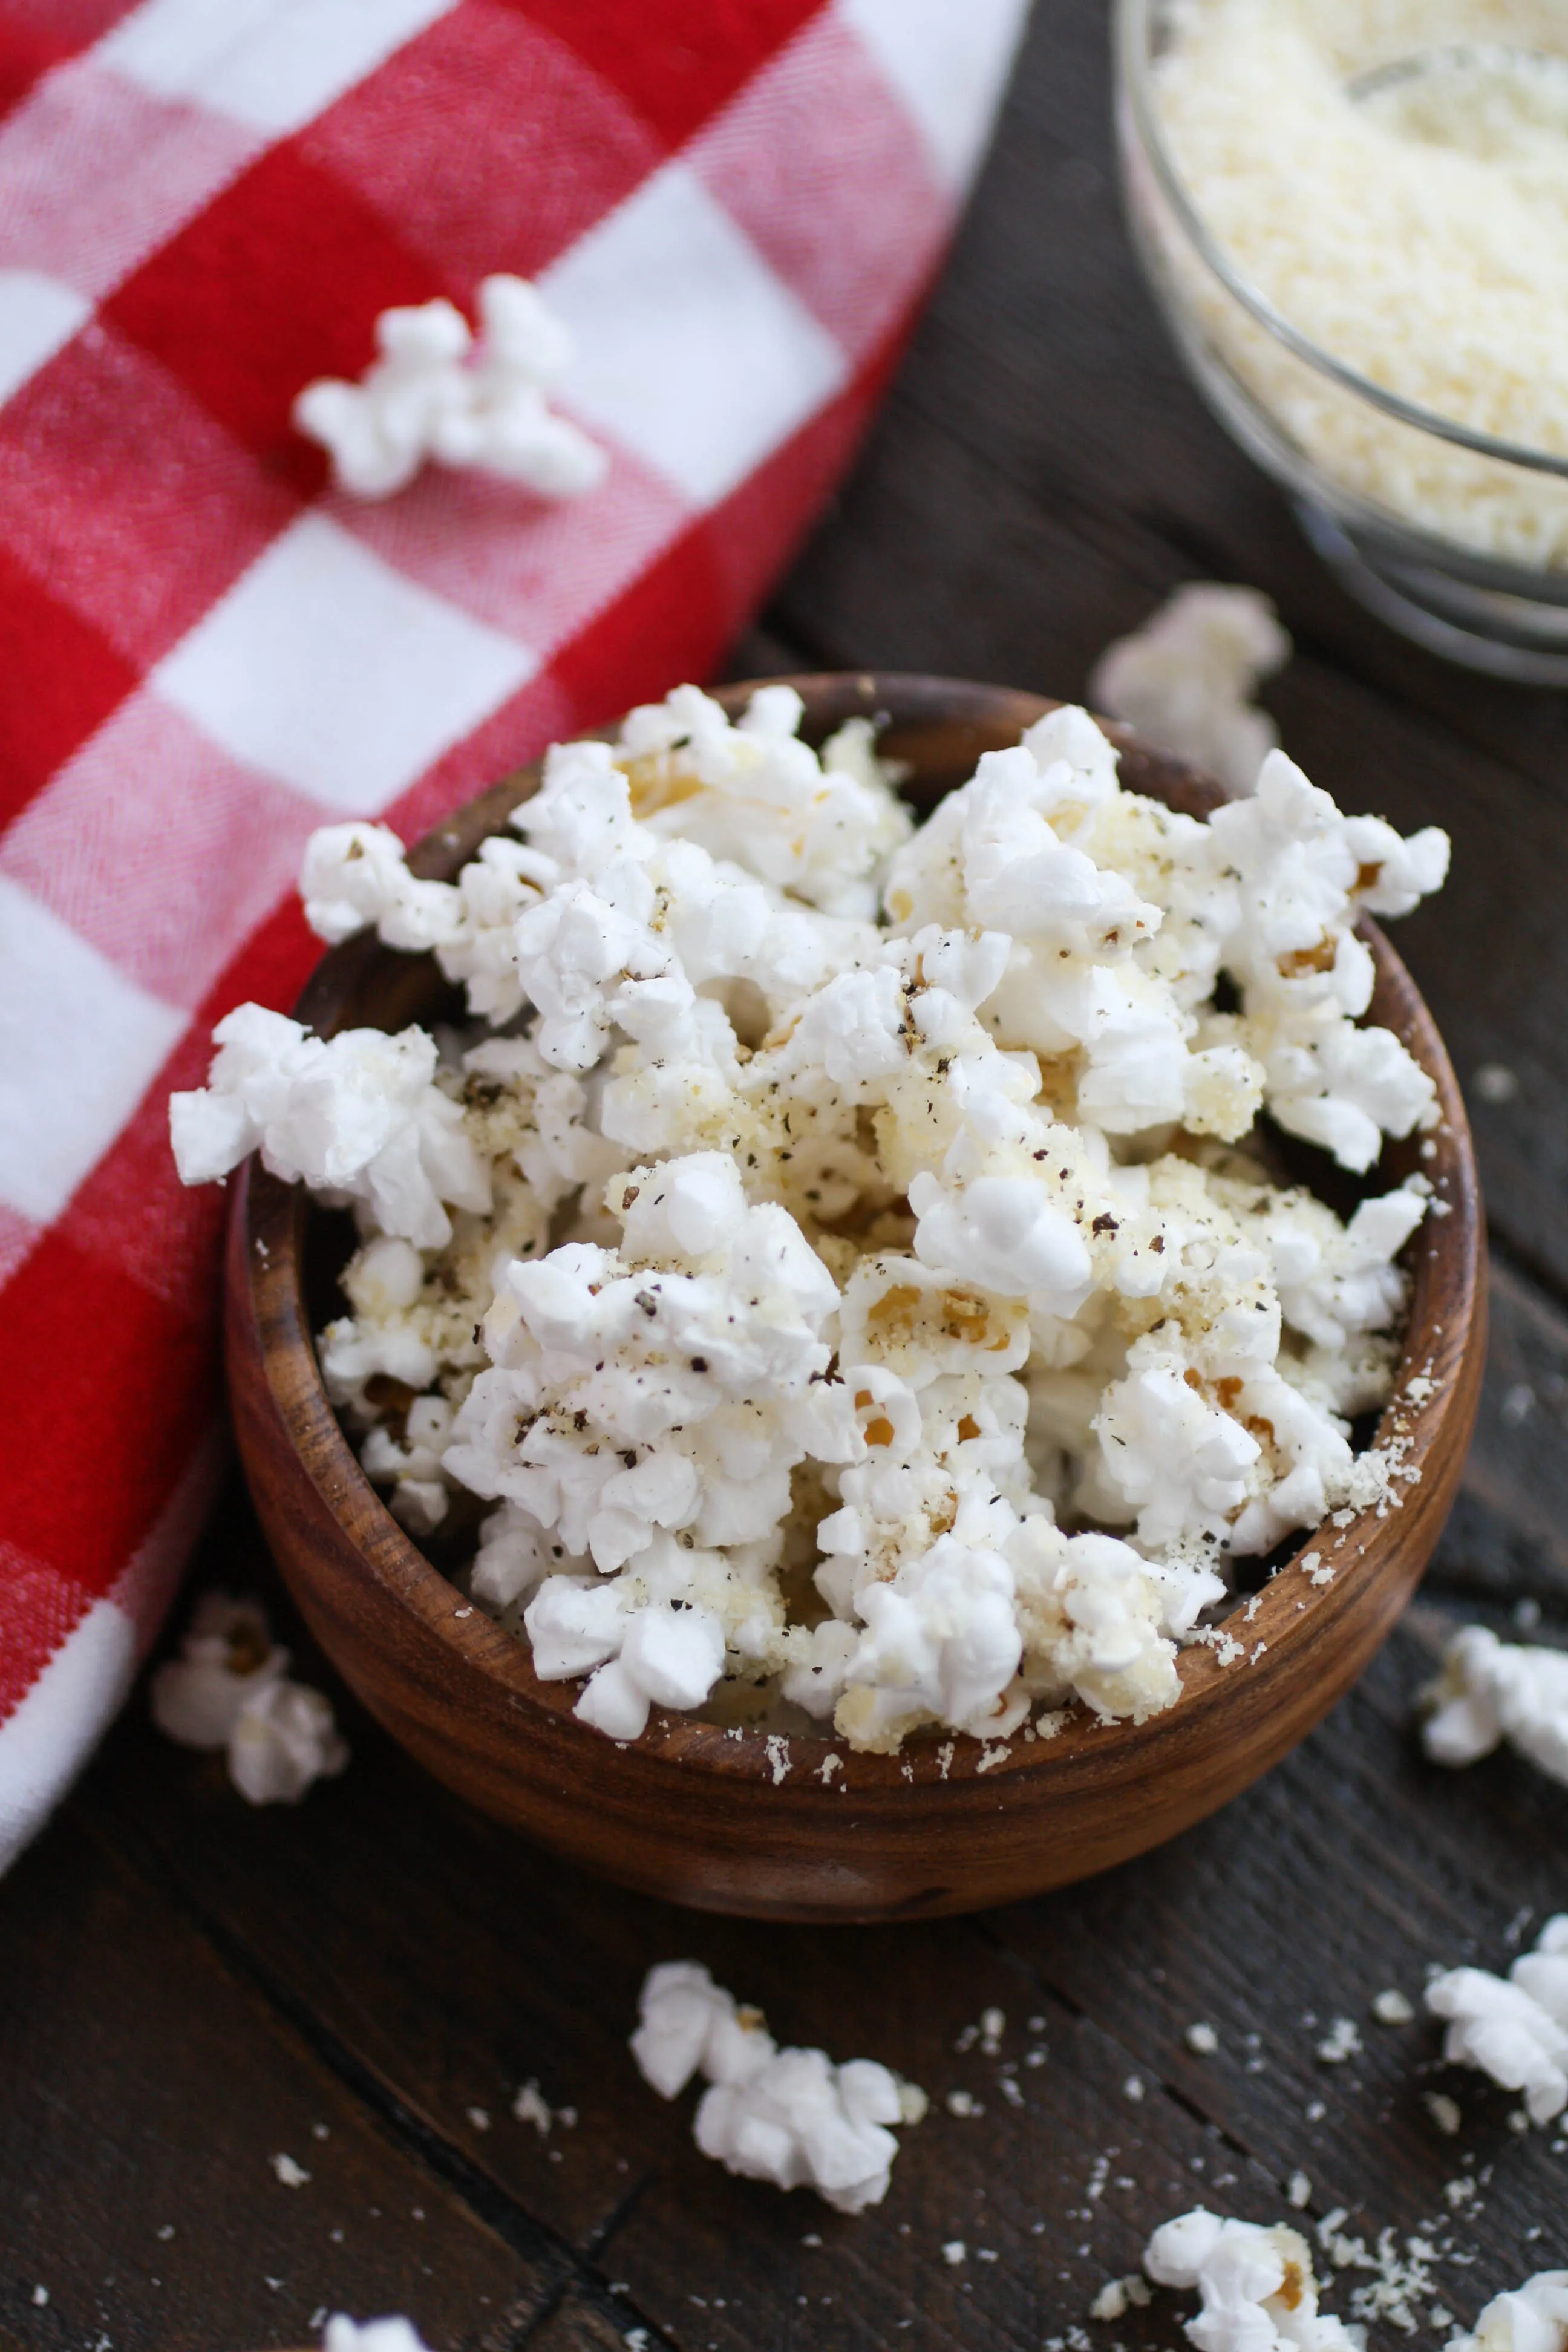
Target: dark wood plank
[(147, 2092)]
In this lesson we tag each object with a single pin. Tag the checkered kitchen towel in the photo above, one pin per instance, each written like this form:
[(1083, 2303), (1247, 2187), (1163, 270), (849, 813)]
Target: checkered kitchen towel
[(734, 204)]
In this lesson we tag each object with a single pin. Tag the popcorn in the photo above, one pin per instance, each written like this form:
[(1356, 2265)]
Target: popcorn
[(1514, 2029), (433, 393), (357, 1117), (345, 2335), (817, 1207), (229, 1688), (1531, 2318), (1490, 1691), (790, 2117), (1185, 679), (1258, 2290)]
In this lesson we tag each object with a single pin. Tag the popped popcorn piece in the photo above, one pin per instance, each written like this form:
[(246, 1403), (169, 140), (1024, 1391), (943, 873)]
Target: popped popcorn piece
[(434, 393), (345, 2335), (229, 1688), (1391, 2007), (357, 1117), (284, 1739), (1185, 679), (1490, 1691), (1514, 2029), (1258, 2293), (1118, 2295), (790, 2117), (1529, 2318), (841, 1203)]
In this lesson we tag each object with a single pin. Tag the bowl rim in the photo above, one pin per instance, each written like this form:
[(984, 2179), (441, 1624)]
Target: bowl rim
[(1132, 29), (1287, 1616)]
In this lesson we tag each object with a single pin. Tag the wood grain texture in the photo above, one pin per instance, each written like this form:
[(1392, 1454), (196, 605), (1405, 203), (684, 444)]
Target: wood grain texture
[(704, 1816)]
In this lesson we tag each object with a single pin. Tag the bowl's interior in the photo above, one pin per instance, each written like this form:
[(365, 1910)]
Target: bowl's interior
[(938, 727)]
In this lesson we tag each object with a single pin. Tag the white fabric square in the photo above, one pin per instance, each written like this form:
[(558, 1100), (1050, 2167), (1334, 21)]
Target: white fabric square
[(38, 316), (80, 1045), (271, 63), (324, 668), (947, 62), (691, 351)]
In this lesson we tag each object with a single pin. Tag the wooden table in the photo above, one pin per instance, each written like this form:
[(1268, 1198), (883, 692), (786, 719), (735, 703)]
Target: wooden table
[(189, 1989)]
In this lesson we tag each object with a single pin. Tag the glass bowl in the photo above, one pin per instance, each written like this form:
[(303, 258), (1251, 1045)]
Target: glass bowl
[(1350, 452)]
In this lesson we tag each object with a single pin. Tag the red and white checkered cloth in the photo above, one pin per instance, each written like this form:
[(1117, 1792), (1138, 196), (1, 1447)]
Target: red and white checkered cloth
[(734, 204)]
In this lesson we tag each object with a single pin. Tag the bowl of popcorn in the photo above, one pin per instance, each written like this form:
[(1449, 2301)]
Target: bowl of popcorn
[(1354, 216), (858, 1298)]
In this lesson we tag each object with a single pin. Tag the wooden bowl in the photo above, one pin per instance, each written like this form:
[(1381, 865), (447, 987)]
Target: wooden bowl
[(696, 1814)]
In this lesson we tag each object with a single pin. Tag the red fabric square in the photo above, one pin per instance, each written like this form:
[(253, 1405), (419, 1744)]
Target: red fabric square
[(280, 280), (39, 1608), (676, 67), (64, 680), (123, 494), (90, 1352), (38, 34), (549, 146)]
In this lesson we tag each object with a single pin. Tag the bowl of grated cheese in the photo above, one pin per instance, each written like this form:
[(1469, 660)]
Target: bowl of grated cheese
[(855, 1300), (1353, 214)]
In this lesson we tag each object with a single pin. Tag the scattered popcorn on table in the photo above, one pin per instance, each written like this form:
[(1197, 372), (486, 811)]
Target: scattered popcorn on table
[(790, 2117), (291, 2175), (1118, 2295), (1186, 679), (229, 1688), (1490, 1691), (843, 1207), (1391, 2007), (435, 392), (1202, 2039), (1531, 2318), (1258, 2290), (345, 2335), (1513, 2028), (1445, 2113)]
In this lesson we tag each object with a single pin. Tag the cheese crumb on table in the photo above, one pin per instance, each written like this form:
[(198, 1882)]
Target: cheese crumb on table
[(435, 392), (821, 1205), (1530, 2318), (1257, 2287), (1341, 2041), (790, 2117), (229, 1688), (1513, 2028), (1490, 1691), (1185, 677)]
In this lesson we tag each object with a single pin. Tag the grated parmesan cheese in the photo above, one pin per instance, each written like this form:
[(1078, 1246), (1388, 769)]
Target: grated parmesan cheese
[(1418, 234)]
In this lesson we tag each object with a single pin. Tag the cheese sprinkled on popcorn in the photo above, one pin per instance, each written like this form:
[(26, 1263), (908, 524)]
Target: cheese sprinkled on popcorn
[(1258, 2290), (833, 1250), (790, 2117), (1513, 2028)]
